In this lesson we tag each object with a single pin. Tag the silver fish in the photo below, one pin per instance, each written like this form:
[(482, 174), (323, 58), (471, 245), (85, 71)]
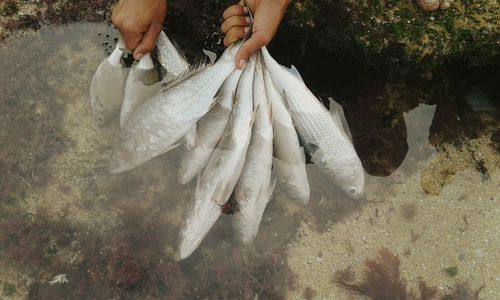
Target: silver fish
[(144, 81), (323, 138), (254, 189), (289, 155), (106, 88), (217, 181), (209, 131), (160, 121), (171, 58)]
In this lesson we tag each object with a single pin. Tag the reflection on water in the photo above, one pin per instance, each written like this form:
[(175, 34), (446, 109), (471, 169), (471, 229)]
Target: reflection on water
[(61, 212), (418, 122)]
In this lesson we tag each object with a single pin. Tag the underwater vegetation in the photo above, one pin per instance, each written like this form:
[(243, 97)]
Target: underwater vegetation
[(383, 280), (131, 263)]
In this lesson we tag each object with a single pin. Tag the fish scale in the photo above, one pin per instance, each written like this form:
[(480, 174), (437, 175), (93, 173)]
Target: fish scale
[(162, 120), (171, 58), (290, 159), (218, 179), (321, 125), (254, 188), (321, 130), (209, 131)]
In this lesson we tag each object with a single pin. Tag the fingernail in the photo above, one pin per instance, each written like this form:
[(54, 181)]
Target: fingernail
[(246, 29), (245, 9), (139, 56), (248, 20), (243, 63)]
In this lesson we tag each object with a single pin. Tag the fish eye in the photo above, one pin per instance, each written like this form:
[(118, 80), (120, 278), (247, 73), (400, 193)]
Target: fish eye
[(353, 190)]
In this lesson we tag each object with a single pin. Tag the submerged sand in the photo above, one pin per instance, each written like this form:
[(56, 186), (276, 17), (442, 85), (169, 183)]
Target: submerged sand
[(458, 227)]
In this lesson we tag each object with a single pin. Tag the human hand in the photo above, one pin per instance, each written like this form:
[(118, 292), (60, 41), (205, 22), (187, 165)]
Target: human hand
[(140, 22), (267, 17)]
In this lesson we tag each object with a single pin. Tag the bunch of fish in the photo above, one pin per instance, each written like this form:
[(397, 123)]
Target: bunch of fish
[(238, 125)]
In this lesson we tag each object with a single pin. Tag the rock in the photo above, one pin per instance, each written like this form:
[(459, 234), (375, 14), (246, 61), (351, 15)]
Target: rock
[(428, 5), (398, 34), (395, 35)]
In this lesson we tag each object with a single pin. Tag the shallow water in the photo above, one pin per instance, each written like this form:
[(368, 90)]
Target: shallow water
[(431, 198)]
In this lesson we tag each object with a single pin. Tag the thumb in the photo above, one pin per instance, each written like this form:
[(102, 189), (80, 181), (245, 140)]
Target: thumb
[(148, 41), (254, 43)]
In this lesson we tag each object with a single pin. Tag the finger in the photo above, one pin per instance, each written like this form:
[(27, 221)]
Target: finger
[(235, 21), (131, 38), (257, 41), (234, 10), (148, 41), (235, 34)]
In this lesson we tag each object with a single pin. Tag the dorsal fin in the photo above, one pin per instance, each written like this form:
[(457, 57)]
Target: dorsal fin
[(193, 70)]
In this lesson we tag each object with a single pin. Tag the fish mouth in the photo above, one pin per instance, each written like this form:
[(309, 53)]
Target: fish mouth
[(185, 251)]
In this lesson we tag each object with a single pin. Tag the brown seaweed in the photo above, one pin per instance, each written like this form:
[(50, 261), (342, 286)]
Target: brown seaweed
[(130, 263), (383, 281)]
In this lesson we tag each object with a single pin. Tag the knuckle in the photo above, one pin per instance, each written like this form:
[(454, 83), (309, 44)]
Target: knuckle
[(263, 39)]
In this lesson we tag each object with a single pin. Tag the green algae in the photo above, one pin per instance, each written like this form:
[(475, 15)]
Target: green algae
[(8, 289), (467, 31), (451, 271)]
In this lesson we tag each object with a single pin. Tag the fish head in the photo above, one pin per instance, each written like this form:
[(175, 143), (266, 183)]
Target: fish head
[(106, 91), (347, 174)]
